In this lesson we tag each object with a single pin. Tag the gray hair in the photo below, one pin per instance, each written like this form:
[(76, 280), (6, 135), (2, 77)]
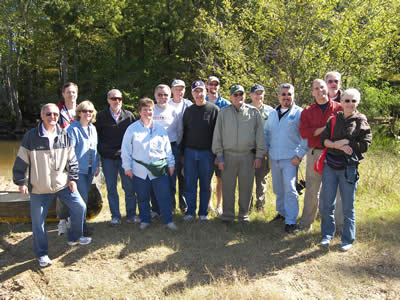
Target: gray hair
[(333, 73), (351, 92), (162, 86), (317, 80), (111, 91), (44, 107), (286, 86)]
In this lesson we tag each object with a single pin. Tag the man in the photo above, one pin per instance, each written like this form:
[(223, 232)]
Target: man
[(312, 122), (214, 96), (66, 118), (198, 127), (179, 104), (167, 117), (286, 149), (111, 125), (334, 83), (257, 94), (53, 171), (239, 146)]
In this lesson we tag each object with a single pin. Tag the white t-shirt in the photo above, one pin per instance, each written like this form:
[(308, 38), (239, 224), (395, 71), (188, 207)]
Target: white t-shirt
[(50, 135)]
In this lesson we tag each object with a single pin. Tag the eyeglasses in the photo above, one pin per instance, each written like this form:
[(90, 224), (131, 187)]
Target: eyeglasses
[(162, 95), (333, 81), (85, 111), (348, 100), (238, 94), (214, 84), (115, 98), (49, 114)]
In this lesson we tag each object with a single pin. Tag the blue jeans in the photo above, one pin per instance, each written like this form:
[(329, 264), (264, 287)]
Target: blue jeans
[(160, 186), (84, 182), (111, 168), (198, 166), (331, 178), (40, 204), (284, 179)]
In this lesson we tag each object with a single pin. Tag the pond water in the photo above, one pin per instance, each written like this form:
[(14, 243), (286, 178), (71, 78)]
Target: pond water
[(8, 153)]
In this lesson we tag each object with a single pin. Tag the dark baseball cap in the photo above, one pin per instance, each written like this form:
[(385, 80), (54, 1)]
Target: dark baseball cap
[(198, 84), (257, 87)]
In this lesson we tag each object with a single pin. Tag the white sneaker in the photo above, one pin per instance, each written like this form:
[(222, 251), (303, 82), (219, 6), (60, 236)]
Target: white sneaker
[(211, 207), (345, 248), (143, 226), (62, 226), (134, 220), (115, 221), (325, 242), (83, 240), (44, 261), (219, 210), (188, 218), (172, 226), (203, 218), (154, 215)]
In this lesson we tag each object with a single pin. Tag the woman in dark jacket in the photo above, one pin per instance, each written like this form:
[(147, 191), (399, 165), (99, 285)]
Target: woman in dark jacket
[(351, 138)]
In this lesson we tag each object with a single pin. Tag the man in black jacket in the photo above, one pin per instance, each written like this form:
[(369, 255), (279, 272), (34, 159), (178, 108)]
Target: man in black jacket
[(111, 125)]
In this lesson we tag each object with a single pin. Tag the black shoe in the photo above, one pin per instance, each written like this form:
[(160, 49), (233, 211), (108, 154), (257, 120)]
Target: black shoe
[(278, 217), (290, 228)]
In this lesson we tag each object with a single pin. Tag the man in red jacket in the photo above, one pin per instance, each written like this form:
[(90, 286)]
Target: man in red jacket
[(312, 122)]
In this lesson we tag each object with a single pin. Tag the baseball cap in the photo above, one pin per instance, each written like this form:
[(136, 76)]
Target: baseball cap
[(212, 78), (236, 88), (178, 82), (198, 84), (257, 87)]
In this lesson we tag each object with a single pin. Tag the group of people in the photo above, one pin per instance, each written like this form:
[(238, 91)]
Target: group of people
[(177, 139)]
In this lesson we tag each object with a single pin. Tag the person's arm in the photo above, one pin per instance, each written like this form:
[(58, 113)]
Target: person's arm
[(169, 156), (127, 151), (362, 142), (21, 165), (217, 148)]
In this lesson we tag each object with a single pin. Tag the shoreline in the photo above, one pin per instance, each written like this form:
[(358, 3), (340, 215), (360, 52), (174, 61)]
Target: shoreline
[(6, 184)]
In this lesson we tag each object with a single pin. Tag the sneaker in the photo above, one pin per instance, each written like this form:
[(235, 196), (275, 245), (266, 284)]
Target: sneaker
[(279, 217), (143, 226), (211, 207), (115, 221), (346, 247), (154, 215), (325, 242), (44, 261), (290, 228), (62, 226), (172, 226), (303, 228), (188, 218), (219, 210), (134, 220), (83, 240), (203, 218)]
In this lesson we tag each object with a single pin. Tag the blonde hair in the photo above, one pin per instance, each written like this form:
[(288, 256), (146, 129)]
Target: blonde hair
[(86, 104)]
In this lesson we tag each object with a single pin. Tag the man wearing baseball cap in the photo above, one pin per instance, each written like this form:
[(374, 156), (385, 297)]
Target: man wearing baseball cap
[(257, 93), (198, 128), (239, 145), (214, 96)]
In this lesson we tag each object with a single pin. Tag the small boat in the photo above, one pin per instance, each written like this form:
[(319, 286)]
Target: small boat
[(15, 207)]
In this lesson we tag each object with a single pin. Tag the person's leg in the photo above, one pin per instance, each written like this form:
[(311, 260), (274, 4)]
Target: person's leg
[(143, 187), (260, 176), (77, 209), (161, 184), (229, 176), (313, 181), (277, 186), (246, 179), (191, 176), (83, 185), (291, 203), (339, 218), (205, 171), (61, 210), (110, 170), (172, 179), (327, 202), (348, 195), (130, 195), (181, 182), (39, 206)]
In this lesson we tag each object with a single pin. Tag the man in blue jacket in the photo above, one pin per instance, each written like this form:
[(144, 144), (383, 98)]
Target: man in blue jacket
[(286, 148)]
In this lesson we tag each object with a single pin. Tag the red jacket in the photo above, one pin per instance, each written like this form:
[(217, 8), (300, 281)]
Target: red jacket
[(312, 118)]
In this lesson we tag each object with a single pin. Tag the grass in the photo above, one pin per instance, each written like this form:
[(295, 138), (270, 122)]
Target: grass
[(215, 261)]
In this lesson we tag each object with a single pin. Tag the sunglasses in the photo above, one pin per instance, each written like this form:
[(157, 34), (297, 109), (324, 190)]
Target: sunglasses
[(238, 94), (116, 98), (85, 111), (333, 81), (162, 95), (49, 114), (348, 100)]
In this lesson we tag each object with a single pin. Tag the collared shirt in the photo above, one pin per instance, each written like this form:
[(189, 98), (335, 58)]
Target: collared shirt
[(220, 102), (115, 116), (50, 135), (147, 145)]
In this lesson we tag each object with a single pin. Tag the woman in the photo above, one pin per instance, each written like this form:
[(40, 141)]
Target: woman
[(84, 138), (146, 158), (350, 138)]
